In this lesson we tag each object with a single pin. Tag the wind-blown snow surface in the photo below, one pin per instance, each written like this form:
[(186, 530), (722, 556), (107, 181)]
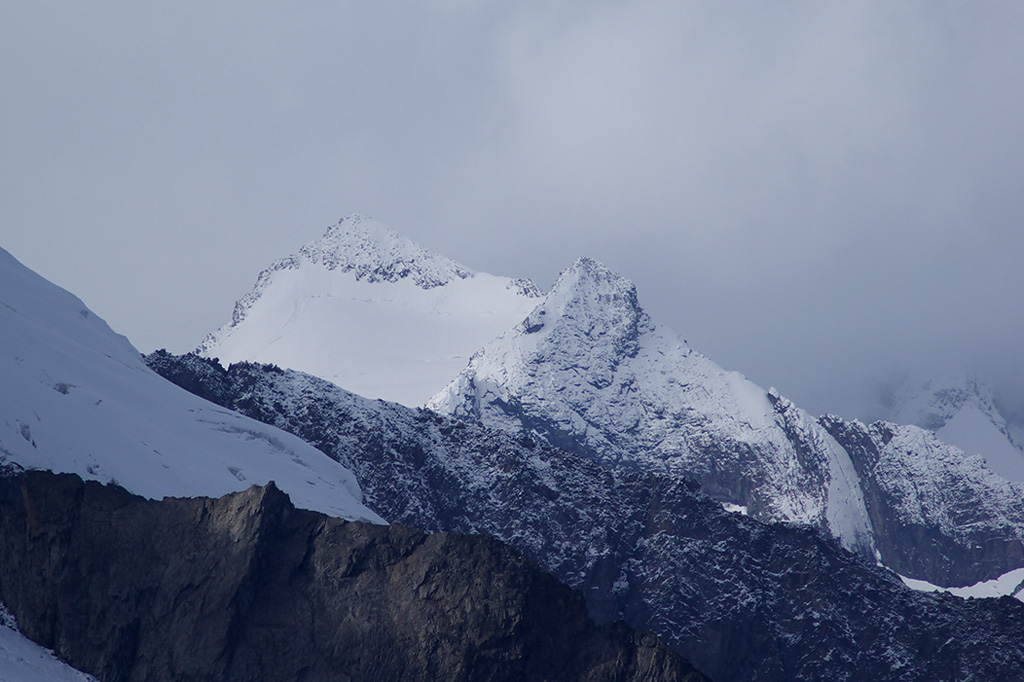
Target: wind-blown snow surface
[(372, 311), (589, 371), (77, 398)]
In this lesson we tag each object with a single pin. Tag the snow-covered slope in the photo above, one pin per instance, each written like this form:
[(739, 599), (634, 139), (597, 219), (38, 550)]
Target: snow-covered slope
[(961, 411), (938, 513), (77, 398), (372, 311), (743, 600), (589, 371), (22, 660)]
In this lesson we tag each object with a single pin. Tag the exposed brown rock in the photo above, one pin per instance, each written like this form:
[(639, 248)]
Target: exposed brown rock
[(246, 587)]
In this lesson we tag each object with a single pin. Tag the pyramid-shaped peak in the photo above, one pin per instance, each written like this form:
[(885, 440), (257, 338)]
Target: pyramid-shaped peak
[(589, 270), (589, 284), (590, 309), (374, 252)]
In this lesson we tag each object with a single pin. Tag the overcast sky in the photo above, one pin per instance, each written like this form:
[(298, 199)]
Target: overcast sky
[(816, 194)]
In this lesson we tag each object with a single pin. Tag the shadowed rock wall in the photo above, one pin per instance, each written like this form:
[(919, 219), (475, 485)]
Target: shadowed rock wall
[(246, 587)]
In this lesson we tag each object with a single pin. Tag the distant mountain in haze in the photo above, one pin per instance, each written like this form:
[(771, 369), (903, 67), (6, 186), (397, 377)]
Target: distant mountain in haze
[(961, 410)]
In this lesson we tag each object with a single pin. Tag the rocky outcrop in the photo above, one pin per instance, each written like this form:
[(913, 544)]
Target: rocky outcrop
[(247, 587), (590, 371), (741, 599), (938, 513)]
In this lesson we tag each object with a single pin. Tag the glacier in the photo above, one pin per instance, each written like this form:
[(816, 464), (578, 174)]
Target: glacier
[(371, 310)]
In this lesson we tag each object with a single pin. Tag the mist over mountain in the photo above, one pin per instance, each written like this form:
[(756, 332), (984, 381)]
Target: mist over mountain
[(603, 417), (821, 199), (754, 329)]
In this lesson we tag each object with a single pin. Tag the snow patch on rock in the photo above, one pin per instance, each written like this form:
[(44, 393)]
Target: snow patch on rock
[(22, 660), (1009, 584)]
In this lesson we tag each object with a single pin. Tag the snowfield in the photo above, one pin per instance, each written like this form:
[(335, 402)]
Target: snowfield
[(77, 398), (1007, 585), (371, 311)]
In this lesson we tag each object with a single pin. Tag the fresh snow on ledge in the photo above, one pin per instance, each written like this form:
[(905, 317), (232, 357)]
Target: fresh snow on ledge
[(1008, 584)]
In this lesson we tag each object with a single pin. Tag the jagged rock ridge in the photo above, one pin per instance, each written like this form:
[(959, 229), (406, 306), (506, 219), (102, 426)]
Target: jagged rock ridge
[(935, 511), (247, 587), (589, 371), (370, 309), (742, 600)]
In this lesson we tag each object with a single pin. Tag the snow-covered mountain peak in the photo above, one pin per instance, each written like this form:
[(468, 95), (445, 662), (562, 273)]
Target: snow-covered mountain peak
[(588, 290), (372, 311), (374, 252), (930, 401), (590, 309), (588, 370)]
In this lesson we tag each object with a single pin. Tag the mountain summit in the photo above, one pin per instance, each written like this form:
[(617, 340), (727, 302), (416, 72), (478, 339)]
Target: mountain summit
[(589, 371), (373, 252), (372, 311)]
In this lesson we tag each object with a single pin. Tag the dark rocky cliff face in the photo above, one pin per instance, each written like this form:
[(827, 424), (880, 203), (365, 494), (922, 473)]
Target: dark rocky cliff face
[(740, 599), (246, 587), (969, 527)]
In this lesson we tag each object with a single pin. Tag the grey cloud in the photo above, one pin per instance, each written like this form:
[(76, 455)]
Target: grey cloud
[(815, 195)]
